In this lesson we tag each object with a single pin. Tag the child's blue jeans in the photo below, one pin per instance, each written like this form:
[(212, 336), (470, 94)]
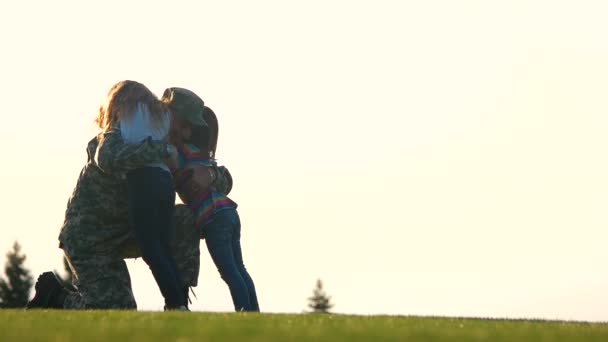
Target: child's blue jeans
[(223, 239), (151, 204)]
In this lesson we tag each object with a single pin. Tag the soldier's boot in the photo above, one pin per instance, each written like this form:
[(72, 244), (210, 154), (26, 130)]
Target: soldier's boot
[(50, 294)]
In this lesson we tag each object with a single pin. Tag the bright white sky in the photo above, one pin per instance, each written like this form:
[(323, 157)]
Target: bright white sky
[(421, 157)]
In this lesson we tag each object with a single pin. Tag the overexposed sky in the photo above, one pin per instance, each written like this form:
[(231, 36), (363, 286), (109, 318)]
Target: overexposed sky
[(434, 158)]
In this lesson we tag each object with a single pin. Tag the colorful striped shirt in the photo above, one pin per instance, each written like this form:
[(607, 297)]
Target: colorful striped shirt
[(210, 201)]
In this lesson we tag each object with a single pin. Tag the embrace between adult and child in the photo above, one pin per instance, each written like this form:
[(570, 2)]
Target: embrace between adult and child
[(123, 206)]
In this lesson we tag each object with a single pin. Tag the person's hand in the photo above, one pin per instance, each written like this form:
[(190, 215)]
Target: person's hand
[(223, 180), (171, 161)]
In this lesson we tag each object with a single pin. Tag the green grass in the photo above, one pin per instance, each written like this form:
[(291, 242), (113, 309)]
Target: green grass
[(117, 326)]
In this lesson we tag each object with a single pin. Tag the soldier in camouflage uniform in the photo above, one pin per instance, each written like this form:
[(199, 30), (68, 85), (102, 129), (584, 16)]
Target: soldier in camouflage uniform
[(96, 235)]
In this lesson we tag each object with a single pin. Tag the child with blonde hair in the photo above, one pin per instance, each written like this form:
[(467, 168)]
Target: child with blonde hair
[(140, 115)]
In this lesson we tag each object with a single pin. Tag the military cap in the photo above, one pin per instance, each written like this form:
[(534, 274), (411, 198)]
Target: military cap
[(186, 103)]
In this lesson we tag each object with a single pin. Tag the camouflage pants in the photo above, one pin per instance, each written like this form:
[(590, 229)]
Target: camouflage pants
[(103, 281)]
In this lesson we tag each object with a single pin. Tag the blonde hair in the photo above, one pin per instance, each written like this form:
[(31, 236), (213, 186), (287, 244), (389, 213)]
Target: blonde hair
[(122, 101)]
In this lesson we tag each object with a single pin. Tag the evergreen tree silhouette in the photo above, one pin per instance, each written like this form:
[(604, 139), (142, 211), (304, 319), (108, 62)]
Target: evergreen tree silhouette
[(319, 302), (15, 289)]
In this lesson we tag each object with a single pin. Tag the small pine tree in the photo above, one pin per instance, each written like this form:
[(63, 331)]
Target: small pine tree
[(15, 289), (319, 302)]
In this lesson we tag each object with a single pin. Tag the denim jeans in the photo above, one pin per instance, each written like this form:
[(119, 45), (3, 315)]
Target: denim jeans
[(151, 204), (223, 239)]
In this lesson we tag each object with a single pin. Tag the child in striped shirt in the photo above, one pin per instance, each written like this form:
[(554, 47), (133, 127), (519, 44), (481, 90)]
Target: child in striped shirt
[(215, 213)]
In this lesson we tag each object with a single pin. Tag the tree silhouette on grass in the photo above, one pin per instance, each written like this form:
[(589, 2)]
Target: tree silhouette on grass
[(319, 302), (15, 289)]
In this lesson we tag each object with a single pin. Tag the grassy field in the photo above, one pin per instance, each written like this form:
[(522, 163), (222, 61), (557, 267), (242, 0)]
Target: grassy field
[(19, 325)]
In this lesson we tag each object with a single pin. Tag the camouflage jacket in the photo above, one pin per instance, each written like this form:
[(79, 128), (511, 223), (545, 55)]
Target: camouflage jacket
[(96, 219)]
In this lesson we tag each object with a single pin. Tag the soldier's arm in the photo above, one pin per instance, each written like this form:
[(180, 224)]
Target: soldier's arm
[(114, 155), (193, 181)]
